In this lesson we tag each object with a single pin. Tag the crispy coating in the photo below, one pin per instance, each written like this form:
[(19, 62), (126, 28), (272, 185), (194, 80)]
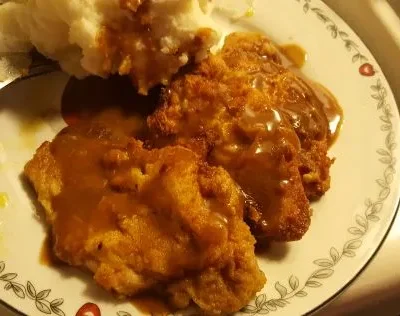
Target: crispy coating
[(296, 97), (231, 103), (314, 168), (143, 219)]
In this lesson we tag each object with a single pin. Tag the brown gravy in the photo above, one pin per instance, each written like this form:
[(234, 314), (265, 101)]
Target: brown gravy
[(295, 53), (294, 57), (118, 112), (332, 109), (113, 104), (85, 202)]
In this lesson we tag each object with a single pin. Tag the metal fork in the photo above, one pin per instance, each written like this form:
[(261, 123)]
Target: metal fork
[(39, 65)]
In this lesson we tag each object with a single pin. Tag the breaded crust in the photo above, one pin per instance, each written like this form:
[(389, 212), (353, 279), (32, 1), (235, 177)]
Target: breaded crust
[(143, 219), (230, 103)]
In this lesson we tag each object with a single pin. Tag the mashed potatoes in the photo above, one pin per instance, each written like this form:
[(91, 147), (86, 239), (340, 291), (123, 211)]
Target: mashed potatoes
[(146, 39)]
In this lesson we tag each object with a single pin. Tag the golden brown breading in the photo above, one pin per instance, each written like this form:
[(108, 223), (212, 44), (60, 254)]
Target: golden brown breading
[(140, 219), (246, 133), (295, 98), (314, 168)]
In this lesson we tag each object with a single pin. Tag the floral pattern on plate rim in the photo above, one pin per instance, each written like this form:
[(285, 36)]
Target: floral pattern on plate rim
[(366, 69), (23, 291), (325, 266)]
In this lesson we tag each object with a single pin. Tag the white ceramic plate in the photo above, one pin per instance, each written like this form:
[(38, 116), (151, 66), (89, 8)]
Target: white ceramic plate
[(348, 224)]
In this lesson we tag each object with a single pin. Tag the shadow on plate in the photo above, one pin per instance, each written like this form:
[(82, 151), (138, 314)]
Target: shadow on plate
[(273, 251), (30, 98)]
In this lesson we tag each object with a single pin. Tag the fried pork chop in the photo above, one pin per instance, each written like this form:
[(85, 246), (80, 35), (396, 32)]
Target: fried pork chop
[(243, 110), (146, 219)]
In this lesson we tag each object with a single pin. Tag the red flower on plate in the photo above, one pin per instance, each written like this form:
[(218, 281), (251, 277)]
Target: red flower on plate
[(367, 70), (89, 309)]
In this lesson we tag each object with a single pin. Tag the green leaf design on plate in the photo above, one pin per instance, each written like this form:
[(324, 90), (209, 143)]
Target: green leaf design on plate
[(280, 302), (313, 284), (373, 218), (43, 294), (56, 302), (301, 294), (260, 300), (335, 31), (271, 305), (30, 290), (57, 311), (322, 273), (353, 244), (281, 289), (41, 305), (349, 253), (8, 276), (249, 309), (294, 282), (325, 263), (18, 289), (335, 254), (40, 299)]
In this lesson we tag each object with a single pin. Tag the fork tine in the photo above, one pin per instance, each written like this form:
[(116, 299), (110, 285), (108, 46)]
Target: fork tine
[(38, 65), (41, 66), (6, 83), (39, 70)]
